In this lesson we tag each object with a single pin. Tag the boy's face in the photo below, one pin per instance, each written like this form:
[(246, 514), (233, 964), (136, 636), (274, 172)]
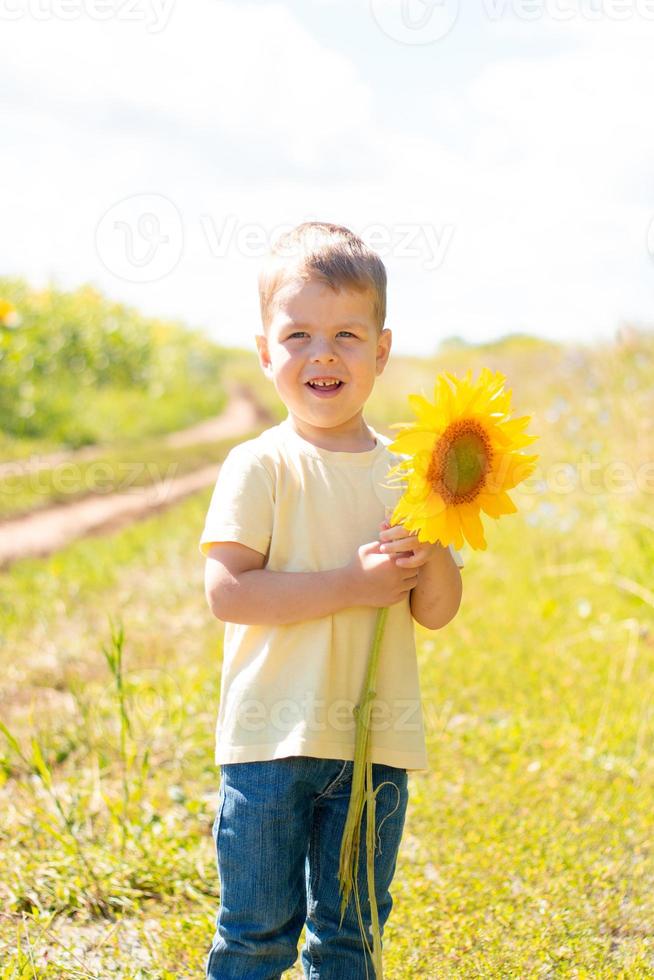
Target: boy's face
[(318, 333)]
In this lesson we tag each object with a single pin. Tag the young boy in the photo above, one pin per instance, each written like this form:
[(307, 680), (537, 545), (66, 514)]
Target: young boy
[(299, 560)]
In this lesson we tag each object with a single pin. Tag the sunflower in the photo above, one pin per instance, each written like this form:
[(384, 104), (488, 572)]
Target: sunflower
[(462, 459)]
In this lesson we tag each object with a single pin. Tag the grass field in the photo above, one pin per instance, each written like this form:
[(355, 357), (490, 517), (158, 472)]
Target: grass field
[(528, 845)]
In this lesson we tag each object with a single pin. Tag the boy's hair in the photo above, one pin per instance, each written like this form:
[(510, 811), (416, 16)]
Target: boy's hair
[(330, 253)]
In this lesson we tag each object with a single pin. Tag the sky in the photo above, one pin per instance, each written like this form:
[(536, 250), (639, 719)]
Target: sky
[(498, 155)]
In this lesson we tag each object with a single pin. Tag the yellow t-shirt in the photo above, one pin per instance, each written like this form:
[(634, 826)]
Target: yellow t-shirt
[(290, 690)]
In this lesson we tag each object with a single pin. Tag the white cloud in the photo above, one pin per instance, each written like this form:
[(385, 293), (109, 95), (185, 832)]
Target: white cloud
[(541, 165), (243, 71)]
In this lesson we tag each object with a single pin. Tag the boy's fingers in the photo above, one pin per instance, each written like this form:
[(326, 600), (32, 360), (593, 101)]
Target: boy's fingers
[(397, 544), (397, 531)]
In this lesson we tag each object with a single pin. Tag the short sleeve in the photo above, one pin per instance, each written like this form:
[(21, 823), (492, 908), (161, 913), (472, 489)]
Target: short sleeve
[(457, 556), (241, 506)]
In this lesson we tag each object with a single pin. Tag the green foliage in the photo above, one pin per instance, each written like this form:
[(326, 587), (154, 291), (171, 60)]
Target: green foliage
[(79, 368)]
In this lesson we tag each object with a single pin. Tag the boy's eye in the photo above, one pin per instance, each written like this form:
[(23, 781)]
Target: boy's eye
[(298, 332)]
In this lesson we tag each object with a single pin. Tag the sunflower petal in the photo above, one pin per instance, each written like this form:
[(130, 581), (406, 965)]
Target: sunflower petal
[(444, 400), (454, 532), (426, 412), (496, 504), (414, 441), (512, 469), (511, 432), (434, 529), (472, 526), (484, 391), (428, 508)]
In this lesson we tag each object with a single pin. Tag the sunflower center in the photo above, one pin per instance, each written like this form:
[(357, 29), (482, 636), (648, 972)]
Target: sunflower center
[(460, 461)]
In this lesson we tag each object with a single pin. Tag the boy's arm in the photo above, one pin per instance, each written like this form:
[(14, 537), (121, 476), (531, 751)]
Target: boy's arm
[(436, 598), (240, 590)]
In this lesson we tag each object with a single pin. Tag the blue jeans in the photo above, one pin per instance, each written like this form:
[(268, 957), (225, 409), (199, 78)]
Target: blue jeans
[(278, 834)]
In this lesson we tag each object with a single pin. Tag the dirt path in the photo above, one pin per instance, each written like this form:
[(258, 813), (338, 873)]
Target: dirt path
[(50, 529)]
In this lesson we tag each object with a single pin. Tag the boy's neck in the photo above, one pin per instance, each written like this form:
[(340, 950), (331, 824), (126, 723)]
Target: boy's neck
[(354, 437)]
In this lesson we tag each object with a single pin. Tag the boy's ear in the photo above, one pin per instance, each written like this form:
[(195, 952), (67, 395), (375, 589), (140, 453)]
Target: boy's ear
[(384, 344), (262, 349)]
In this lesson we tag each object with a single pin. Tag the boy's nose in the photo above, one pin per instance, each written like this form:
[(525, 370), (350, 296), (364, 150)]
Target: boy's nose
[(323, 353)]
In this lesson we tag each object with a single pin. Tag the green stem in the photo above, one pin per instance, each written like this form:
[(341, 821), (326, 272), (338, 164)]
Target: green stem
[(362, 791)]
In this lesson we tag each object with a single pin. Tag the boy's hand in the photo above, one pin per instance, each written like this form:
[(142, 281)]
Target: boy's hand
[(377, 579), (404, 546)]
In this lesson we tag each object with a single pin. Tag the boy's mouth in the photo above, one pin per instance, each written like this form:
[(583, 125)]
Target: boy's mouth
[(326, 388)]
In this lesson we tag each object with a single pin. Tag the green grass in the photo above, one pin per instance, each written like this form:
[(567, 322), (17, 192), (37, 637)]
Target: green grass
[(113, 416), (123, 813), (528, 845)]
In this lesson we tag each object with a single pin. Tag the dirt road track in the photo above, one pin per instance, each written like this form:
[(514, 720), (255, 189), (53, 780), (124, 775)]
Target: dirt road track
[(49, 529)]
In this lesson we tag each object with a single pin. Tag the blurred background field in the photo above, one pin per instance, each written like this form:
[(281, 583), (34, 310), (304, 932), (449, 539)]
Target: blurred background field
[(528, 847), (81, 369)]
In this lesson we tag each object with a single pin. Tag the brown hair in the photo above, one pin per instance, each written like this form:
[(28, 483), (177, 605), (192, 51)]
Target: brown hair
[(331, 253)]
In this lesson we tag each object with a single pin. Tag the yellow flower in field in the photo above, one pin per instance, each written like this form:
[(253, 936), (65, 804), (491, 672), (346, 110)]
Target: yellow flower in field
[(8, 314), (464, 457)]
